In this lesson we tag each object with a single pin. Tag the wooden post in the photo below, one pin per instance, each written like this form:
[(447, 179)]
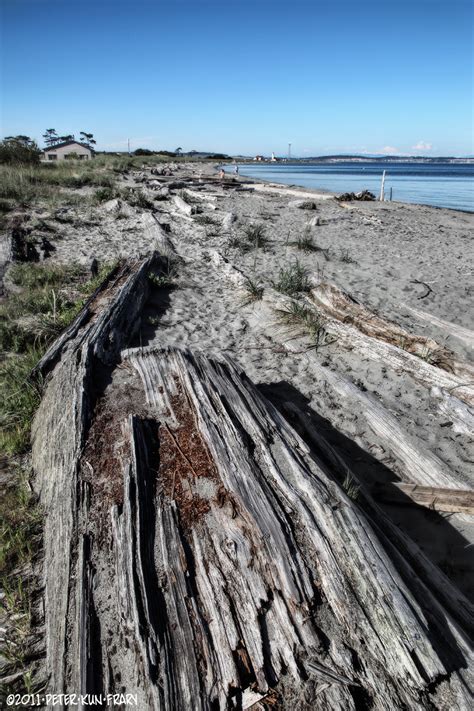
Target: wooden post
[(382, 187), (391, 193)]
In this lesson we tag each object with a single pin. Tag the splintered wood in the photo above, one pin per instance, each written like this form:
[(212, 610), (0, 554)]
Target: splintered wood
[(183, 458), (199, 554)]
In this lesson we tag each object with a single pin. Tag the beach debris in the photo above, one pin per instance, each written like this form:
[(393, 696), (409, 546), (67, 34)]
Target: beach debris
[(428, 288), (364, 195), (303, 204), (184, 206), (382, 340), (454, 330), (434, 498), (228, 220)]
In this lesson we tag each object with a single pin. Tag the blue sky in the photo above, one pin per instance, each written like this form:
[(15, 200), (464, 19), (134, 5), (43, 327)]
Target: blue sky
[(242, 76)]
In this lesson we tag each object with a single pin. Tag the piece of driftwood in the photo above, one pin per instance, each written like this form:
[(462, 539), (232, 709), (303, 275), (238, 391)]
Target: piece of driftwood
[(183, 206), (341, 306), (74, 364), (449, 500), (200, 555), (452, 329), (459, 416)]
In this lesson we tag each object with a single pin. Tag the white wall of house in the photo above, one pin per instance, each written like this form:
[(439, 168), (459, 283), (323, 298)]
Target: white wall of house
[(62, 152)]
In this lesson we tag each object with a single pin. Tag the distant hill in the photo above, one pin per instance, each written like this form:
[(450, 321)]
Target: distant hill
[(386, 159)]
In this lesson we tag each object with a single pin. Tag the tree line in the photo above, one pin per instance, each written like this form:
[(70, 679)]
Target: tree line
[(51, 138)]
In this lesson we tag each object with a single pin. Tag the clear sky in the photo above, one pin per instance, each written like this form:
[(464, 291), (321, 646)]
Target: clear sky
[(242, 76)]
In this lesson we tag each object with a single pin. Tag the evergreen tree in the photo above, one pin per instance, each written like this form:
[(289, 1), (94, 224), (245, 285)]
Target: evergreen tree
[(88, 139), (50, 137)]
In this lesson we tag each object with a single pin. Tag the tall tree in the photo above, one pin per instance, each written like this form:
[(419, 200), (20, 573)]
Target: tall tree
[(178, 151), (88, 139), (50, 137)]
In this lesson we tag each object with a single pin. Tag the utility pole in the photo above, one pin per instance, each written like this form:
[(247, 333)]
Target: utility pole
[(289, 151)]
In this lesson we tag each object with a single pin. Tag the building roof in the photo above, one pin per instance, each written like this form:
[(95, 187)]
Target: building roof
[(67, 143)]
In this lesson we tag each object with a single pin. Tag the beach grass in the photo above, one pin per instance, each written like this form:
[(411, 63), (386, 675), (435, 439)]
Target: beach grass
[(306, 322), (51, 297), (292, 279), (306, 243), (26, 184), (253, 291)]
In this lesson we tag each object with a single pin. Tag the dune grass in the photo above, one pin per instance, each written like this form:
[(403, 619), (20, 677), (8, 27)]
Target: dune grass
[(306, 243), (256, 236), (25, 184), (52, 297), (306, 322), (253, 292), (292, 280)]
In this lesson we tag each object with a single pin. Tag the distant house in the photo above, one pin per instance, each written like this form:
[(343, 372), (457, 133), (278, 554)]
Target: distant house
[(259, 158), (68, 149)]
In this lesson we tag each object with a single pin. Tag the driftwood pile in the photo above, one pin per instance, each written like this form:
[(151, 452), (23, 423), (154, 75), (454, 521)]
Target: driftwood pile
[(364, 196), (200, 554)]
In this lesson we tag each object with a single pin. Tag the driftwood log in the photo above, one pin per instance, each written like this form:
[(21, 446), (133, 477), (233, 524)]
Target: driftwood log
[(452, 329), (377, 338), (451, 500), (199, 554)]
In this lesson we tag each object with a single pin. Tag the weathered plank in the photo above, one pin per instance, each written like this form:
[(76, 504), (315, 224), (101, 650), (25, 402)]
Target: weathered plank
[(448, 500)]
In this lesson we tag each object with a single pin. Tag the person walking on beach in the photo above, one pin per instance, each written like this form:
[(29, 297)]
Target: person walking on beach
[(221, 174), (236, 170)]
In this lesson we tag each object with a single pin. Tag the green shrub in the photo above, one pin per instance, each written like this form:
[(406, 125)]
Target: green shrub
[(19, 151), (20, 397)]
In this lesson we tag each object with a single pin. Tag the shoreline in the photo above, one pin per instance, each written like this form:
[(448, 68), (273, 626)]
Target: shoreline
[(324, 191)]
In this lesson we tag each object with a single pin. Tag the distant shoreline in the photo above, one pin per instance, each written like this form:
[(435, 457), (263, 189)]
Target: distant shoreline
[(411, 184), (444, 160)]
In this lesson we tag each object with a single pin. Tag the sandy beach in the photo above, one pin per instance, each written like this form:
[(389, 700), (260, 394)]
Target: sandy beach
[(408, 264)]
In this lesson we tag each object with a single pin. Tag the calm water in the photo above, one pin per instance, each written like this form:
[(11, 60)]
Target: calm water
[(438, 184)]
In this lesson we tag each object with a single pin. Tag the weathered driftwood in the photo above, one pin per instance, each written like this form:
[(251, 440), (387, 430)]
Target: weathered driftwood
[(342, 306), (280, 190), (459, 416), (183, 206), (452, 329), (448, 500), (199, 555), (90, 345), (382, 340), (228, 220)]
